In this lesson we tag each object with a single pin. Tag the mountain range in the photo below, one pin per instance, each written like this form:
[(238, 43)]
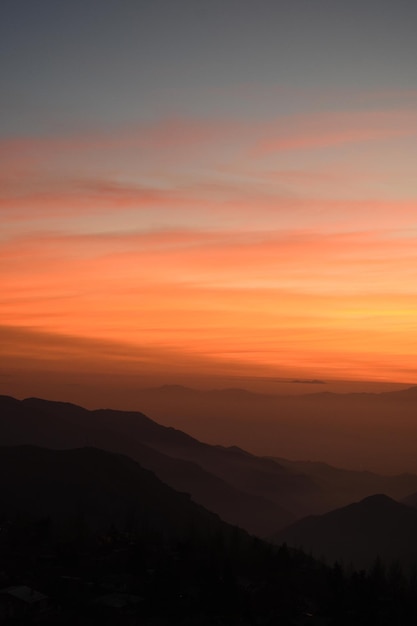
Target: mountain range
[(261, 495), (114, 518), (357, 534), (352, 430)]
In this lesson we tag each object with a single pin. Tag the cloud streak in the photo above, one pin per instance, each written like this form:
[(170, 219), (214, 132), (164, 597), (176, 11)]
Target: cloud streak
[(252, 246), (337, 129)]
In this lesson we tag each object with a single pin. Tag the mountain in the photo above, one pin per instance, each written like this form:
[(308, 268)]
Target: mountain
[(358, 533), (167, 561), (97, 487), (255, 513), (338, 487), (261, 495), (410, 500), (225, 481), (322, 426), (103, 541)]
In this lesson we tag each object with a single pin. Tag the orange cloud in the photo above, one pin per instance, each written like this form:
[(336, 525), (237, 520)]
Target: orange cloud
[(198, 168), (251, 298), (174, 240)]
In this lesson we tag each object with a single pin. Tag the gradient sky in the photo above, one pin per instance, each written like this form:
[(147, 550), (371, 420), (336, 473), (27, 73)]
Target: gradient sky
[(192, 190)]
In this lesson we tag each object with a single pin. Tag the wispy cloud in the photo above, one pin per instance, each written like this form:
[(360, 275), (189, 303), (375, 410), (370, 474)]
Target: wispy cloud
[(337, 129), (220, 240)]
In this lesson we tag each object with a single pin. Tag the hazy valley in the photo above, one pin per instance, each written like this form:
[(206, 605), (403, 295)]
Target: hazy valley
[(74, 477)]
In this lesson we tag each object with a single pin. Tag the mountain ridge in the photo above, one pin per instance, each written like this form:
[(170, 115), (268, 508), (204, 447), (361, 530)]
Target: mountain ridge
[(358, 532), (100, 487), (259, 494)]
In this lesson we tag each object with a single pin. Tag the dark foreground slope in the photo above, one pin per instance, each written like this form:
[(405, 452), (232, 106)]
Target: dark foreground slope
[(102, 541), (358, 533), (94, 488)]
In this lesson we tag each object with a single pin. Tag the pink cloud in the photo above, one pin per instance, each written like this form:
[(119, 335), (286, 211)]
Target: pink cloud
[(245, 207), (336, 129), (177, 135), (167, 134), (80, 197), (194, 165)]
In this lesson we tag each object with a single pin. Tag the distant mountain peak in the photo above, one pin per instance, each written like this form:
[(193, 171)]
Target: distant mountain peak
[(378, 498), (174, 387)]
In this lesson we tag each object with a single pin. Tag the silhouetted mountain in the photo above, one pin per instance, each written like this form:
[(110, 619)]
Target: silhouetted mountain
[(256, 514), (243, 471), (320, 426), (404, 395), (410, 500), (358, 533), (214, 569), (180, 390), (160, 560), (96, 488), (339, 487), (232, 483), (261, 495)]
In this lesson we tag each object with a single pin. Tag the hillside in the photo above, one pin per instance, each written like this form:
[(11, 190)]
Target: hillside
[(96, 488), (321, 426), (358, 533), (261, 495), (180, 460), (410, 500), (339, 487), (255, 513), (103, 541)]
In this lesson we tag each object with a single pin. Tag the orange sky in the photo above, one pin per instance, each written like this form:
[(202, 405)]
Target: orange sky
[(285, 248)]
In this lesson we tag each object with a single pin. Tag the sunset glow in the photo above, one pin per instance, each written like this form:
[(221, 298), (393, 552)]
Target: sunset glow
[(268, 243)]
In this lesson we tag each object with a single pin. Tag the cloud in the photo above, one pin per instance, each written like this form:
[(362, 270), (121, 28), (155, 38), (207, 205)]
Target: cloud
[(133, 282), (177, 237), (209, 169), (336, 129), (175, 137), (249, 204), (86, 197), (297, 301)]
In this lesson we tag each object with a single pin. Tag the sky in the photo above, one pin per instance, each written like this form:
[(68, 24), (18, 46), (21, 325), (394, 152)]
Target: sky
[(204, 192)]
